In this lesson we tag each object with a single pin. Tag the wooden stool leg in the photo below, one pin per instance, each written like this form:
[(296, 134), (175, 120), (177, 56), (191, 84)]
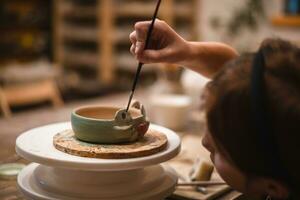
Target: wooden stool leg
[(57, 101), (4, 105), (55, 96)]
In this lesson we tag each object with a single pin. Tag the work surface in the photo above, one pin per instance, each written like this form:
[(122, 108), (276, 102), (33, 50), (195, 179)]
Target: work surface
[(20, 122)]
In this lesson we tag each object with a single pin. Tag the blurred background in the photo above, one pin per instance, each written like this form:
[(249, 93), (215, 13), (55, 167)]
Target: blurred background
[(56, 55), (60, 51)]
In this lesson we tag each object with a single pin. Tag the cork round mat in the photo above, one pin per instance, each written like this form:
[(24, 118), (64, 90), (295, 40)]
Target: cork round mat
[(153, 142)]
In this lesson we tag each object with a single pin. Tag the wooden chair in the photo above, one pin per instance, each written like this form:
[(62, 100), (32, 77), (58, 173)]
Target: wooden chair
[(3, 104), (29, 93), (28, 83)]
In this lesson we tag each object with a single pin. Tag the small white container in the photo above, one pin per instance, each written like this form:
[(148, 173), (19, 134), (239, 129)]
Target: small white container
[(193, 85), (170, 110)]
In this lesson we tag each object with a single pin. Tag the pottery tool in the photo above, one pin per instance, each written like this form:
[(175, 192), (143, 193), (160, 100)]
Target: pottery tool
[(201, 189), (201, 183), (214, 192), (137, 74), (201, 171)]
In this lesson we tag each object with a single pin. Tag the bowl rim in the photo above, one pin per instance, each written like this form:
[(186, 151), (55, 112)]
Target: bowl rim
[(74, 113)]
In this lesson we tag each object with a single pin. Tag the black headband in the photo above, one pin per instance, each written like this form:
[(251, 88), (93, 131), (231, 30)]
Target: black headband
[(261, 119)]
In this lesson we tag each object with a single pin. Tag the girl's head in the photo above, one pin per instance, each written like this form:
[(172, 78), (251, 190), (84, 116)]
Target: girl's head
[(232, 138)]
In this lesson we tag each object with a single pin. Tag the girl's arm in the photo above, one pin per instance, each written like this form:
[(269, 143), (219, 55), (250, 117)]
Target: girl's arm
[(167, 46), (207, 58)]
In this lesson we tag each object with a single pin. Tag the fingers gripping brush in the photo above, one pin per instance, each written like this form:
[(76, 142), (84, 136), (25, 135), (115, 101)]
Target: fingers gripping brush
[(140, 65)]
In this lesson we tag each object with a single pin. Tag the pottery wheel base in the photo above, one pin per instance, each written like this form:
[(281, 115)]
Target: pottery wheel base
[(42, 182), (153, 142), (61, 176)]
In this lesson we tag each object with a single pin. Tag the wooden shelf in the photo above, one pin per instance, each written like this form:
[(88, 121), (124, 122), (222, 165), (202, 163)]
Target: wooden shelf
[(183, 10), (24, 28), (72, 10), (81, 58), (140, 9), (135, 9), (121, 35), (28, 21), (290, 21), (79, 33), (127, 62), (112, 22)]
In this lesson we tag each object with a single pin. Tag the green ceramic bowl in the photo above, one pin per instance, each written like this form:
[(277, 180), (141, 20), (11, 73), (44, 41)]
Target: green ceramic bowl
[(109, 125)]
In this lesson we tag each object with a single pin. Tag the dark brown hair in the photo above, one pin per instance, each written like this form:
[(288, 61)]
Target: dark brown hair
[(228, 108)]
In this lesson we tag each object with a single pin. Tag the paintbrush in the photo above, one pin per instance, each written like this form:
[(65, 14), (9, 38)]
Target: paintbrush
[(137, 74)]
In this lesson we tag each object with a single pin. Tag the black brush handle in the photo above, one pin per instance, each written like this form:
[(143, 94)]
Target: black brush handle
[(140, 65)]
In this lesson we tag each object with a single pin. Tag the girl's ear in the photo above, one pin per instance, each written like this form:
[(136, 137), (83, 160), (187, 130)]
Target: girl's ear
[(276, 189)]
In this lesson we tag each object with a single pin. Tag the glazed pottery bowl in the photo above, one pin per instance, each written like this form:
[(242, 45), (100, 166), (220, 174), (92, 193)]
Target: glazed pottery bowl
[(109, 125)]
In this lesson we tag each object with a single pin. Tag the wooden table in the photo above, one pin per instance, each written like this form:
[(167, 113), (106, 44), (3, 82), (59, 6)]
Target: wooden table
[(11, 128)]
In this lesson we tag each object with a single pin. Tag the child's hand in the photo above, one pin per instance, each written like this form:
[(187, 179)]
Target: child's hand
[(165, 44)]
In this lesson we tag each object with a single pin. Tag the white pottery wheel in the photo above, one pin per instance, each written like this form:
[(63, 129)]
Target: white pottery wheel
[(64, 176)]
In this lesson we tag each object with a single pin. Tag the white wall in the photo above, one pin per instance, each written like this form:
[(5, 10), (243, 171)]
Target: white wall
[(248, 40)]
